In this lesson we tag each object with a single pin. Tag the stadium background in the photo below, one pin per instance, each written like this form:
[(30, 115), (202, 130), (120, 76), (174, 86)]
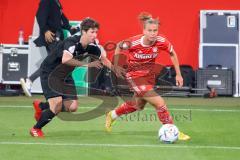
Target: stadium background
[(118, 19)]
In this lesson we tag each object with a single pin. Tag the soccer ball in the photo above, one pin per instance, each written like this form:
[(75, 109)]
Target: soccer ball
[(168, 133)]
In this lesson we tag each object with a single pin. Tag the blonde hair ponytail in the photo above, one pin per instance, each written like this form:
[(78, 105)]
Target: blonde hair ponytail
[(146, 18)]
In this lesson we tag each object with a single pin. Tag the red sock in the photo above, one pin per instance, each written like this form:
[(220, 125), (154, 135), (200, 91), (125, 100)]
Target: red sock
[(164, 115), (125, 108)]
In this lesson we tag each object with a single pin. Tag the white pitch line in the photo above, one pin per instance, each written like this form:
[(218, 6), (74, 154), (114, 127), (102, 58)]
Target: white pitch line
[(205, 110), (124, 145), (9, 106), (172, 109)]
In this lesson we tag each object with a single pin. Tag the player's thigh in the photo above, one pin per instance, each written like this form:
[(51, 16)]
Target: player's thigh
[(55, 104)]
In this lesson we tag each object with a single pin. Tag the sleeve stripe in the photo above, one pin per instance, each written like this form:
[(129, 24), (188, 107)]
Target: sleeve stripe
[(137, 41), (161, 39), (171, 48)]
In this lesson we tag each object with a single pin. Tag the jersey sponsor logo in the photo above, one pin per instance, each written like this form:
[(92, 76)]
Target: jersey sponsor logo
[(145, 56)]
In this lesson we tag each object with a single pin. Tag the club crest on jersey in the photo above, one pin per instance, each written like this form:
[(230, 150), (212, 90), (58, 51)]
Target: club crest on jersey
[(155, 49)]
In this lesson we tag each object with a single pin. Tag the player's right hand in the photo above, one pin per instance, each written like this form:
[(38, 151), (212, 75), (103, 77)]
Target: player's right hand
[(49, 36), (96, 64), (179, 81)]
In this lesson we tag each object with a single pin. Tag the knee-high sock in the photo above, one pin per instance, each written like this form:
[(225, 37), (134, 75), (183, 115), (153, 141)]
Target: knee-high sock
[(125, 108), (46, 117), (164, 115), (44, 105)]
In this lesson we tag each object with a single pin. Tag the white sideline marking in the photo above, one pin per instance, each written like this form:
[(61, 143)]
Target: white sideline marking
[(205, 110), (171, 109), (8, 106), (124, 145)]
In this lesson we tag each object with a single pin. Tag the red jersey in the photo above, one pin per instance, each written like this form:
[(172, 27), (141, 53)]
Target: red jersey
[(141, 57)]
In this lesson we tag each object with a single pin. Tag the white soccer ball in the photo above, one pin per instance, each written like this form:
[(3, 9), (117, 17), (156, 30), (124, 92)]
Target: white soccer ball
[(168, 133)]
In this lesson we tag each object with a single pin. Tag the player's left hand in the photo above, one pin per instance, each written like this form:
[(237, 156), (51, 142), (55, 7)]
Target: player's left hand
[(120, 72), (179, 81)]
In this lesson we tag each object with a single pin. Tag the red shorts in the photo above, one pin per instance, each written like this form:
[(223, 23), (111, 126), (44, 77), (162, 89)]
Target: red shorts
[(141, 84)]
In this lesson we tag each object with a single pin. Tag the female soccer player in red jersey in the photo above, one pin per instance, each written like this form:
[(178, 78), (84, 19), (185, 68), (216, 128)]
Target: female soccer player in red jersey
[(141, 52)]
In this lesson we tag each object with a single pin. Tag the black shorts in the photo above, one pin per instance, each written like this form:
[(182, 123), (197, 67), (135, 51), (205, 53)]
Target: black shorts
[(55, 86)]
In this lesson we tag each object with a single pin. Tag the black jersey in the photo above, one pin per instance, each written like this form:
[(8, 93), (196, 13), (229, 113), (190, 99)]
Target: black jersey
[(73, 46)]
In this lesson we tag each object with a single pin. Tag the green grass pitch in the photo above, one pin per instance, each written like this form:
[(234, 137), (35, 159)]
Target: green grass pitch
[(213, 124)]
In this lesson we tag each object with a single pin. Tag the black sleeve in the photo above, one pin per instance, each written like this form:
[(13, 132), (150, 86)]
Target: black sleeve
[(65, 21), (70, 44), (42, 15)]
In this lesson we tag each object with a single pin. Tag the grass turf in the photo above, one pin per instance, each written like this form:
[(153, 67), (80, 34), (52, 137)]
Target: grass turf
[(213, 125)]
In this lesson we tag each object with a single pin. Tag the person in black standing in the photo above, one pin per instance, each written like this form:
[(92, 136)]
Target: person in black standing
[(52, 21), (57, 83)]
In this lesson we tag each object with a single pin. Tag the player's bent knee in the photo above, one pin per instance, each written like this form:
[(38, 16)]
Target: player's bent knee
[(73, 107), (162, 108), (141, 104), (140, 108)]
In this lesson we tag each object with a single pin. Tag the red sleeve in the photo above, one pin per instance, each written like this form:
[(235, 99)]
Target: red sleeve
[(130, 42), (164, 44)]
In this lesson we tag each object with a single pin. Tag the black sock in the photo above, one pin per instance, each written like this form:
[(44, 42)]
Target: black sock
[(46, 117), (63, 108), (44, 105)]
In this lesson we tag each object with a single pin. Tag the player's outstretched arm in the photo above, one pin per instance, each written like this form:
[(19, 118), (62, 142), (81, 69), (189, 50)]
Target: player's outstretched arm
[(69, 60), (120, 72), (179, 79)]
